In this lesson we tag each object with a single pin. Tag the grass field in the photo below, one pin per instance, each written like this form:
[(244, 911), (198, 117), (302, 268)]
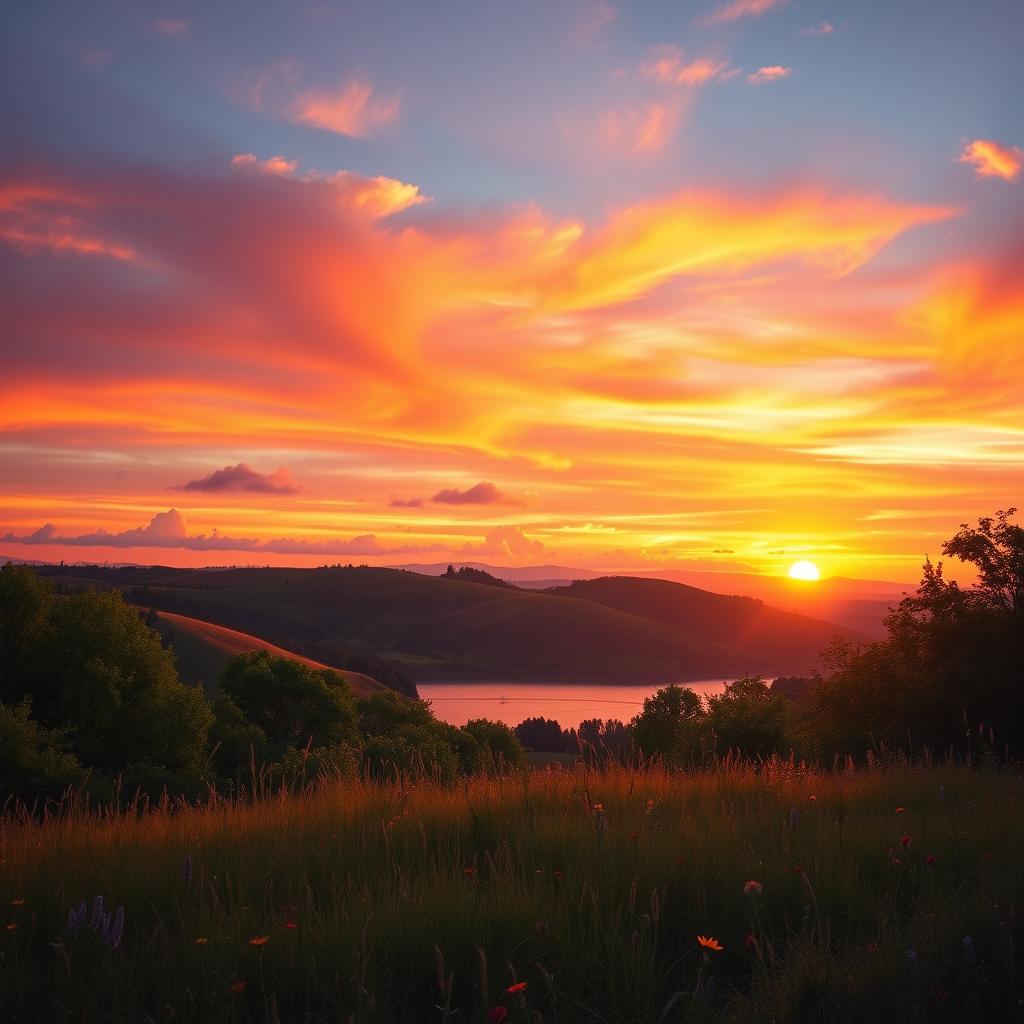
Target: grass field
[(559, 895)]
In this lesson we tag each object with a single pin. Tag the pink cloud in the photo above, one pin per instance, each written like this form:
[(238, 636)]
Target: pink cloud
[(354, 110), (483, 493), (643, 131), (272, 165), (740, 9), (772, 73), (991, 159), (242, 478), (170, 26), (666, 65)]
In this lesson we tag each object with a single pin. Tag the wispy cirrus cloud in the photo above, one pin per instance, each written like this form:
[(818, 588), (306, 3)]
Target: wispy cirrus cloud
[(823, 28), (667, 64), (242, 477), (991, 159), (354, 110), (737, 9), (771, 73)]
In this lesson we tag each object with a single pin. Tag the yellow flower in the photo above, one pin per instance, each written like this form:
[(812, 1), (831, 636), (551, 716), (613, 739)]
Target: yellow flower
[(709, 943)]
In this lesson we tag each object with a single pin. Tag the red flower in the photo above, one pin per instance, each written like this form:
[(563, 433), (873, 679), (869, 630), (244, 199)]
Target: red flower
[(930, 860), (237, 986), (905, 840), (289, 924), (498, 1015), (559, 875), (519, 986)]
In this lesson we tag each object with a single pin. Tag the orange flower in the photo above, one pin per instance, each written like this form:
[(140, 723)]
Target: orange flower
[(202, 941), (11, 927), (752, 888), (599, 808), (901, 810), (18, 903), (259, 940), (237, 986), (709, 943), (519, 986)]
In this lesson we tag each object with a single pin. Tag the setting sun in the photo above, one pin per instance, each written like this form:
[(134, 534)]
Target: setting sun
[(804, 570)]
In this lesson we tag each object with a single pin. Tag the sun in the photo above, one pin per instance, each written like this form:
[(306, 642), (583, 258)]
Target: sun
[(804, 570)]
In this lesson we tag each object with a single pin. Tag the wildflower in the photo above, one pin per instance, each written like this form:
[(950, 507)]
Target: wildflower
[(17, 903), (905, 841), (202, 940), (930, 860), (895, 862), (519, 986), (76, 918), (599, 808), (872, 947), (97, 913), (901, 810), (469, 872), (650, 806), (798, 870), (813, 798), (709, 943), (188, 870), (750, 941), (752, 888), (11, 927), (634, 836), (913, 959), (259, 940), (498, 1015), (237, 986), (114, 930), (559, 875), (289, 924), (968, 945)]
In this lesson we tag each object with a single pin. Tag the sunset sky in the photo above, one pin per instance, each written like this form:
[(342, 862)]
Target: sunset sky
[(686, 285)]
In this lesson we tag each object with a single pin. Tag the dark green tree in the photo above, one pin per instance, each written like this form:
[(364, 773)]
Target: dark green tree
[(747, 716), (672, 724)]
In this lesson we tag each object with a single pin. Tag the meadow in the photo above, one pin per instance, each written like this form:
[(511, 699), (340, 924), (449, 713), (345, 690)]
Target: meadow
[(575, 893)]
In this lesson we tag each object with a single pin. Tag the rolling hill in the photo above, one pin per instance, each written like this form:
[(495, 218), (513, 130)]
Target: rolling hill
[(202, 649), (625, 630)]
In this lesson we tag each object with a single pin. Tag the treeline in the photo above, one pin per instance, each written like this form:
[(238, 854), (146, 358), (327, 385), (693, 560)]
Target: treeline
[(90, 698)]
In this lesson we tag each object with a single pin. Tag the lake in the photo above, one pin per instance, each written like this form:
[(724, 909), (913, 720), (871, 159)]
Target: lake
[(568, 704)]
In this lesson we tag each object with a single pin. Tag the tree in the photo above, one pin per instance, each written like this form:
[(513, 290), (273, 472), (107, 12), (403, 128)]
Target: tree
[(25, 603), (950, 664), (671, 724), (33, 760), (289, 702), (749, 717), (497, 742)]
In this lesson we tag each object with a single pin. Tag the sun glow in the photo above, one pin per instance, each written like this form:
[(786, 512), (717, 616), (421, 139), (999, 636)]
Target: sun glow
[(804, 570)]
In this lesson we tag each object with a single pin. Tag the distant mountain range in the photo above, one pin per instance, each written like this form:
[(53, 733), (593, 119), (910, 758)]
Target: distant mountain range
[(857, 604), (626, 629)]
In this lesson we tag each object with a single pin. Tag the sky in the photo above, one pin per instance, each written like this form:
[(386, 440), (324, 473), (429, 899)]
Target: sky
[(693, 285)]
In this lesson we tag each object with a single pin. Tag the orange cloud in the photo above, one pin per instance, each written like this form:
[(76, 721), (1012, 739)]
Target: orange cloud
[(772, 73), (740, 9), (379, 196), (665, 64), (352, 111), (991, 159)]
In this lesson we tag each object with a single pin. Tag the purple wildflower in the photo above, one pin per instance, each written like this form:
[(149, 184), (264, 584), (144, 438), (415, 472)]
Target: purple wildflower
[(97, 914), (76, 918), (188, 870)]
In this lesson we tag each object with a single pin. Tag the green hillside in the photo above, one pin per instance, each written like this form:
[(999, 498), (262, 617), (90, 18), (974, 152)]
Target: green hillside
[(445, 627), (202, 649)]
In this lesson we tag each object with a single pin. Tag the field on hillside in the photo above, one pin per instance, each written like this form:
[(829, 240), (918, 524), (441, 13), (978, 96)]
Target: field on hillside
[(560, 895)]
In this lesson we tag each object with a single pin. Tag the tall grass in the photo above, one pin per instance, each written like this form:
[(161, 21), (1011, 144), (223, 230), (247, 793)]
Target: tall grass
[(410, 900)]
